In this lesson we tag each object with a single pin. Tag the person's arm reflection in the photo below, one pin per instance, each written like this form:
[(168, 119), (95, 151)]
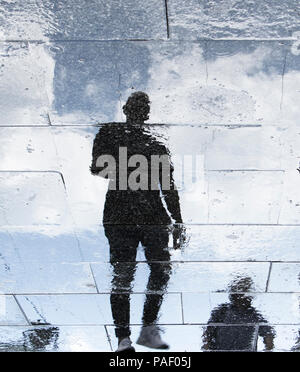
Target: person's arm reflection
[(100, 147), (172, 201), (268, 335)]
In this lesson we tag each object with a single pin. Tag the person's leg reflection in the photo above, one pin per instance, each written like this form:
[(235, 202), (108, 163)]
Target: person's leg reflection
[(155, 241), (123, 243)]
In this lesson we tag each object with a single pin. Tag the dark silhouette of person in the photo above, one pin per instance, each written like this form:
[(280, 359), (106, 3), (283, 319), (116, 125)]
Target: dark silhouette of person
[(137, 215), (238, 320)]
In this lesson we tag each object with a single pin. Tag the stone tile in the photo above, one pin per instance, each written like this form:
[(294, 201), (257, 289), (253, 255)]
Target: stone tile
[(244, 197), (10, 313), (39, 244), (45, 244), (240, 243), (290, 137), (245, 148), (209, 276), (64, 339), (8, 252), (23, 88), (285, 277), (290, 203), (247, 308), (279, 308), (93, 244), (192, 19), (85, 84), (30, 148), (244, 80), (33, 198), (100, 21), (287, 338), (179, 337), (81, 309), (46, 278)]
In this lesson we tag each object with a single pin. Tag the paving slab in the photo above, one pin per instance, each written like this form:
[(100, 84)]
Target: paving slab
[(245, 80), (186, 276), (285, 277), (27, 148), (290, 203), (44, 244), (85, 82), (42, 20), (40, 244), (238, 308), (93, 244), (236, 148), (8, 253), (23, 84), (89, 309), (46, 278), (287, 339), (10, 312), (33, 198), (55, 339), (244, 197), (194, 19)]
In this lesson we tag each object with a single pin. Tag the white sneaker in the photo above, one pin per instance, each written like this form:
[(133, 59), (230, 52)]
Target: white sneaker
[(125, 345), (150, 337)]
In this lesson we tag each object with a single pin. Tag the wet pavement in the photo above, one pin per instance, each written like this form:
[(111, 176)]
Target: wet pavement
[(223, 80)]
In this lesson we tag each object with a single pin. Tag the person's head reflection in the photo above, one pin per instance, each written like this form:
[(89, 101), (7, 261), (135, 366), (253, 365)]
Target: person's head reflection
[(137, 108), (237, 296)]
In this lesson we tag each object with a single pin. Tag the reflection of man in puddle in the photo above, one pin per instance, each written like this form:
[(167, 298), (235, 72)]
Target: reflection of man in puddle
[(136, 214), (238, 318)]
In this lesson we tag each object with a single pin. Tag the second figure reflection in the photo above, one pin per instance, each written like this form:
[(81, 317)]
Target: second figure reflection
[(138, 216)]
